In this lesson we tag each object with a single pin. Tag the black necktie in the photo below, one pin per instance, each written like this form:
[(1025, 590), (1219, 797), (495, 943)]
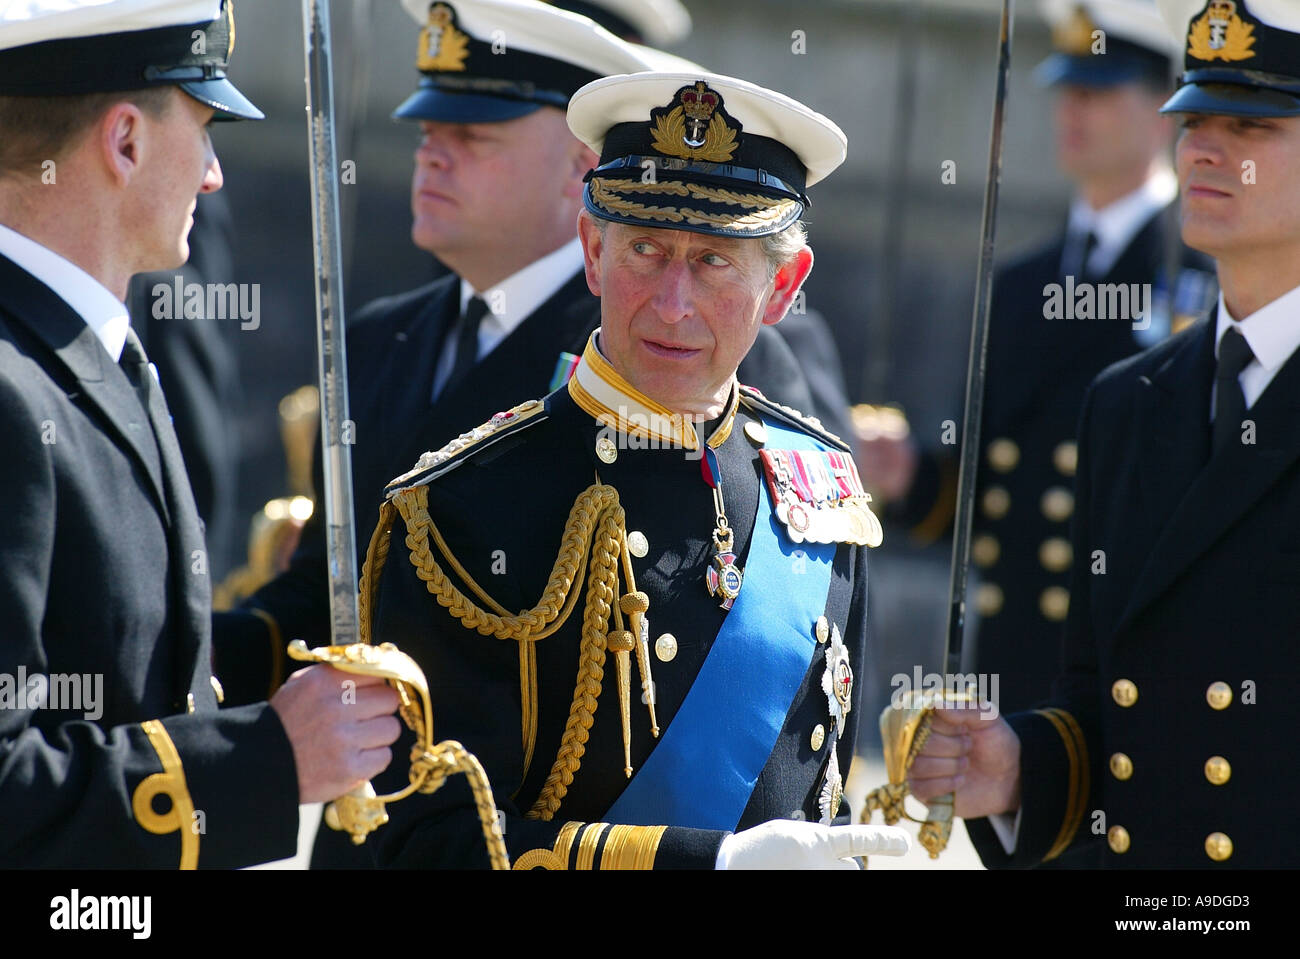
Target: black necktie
[(1084, 245), (1229, 401), (466, 343)]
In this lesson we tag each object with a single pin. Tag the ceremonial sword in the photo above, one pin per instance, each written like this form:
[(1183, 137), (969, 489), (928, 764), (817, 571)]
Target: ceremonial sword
[(905, 727)]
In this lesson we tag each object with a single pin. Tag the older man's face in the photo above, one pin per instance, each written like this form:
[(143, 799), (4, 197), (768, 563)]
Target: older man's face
[(679, 310)]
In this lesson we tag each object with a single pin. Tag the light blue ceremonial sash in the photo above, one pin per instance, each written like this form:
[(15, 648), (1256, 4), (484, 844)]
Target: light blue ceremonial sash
[(703, 770)]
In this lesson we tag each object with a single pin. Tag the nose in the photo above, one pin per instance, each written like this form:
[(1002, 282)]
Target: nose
[(212, 178), (432, 147), (1199, 145), (674, 296)]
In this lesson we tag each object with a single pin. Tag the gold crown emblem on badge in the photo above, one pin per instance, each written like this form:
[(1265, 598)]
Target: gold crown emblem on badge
[(1221, 34), (442, 46), (1074, 35), (694, 126)]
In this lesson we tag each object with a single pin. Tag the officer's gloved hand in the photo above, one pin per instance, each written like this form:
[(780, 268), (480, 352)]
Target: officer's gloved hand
[(790, 844)]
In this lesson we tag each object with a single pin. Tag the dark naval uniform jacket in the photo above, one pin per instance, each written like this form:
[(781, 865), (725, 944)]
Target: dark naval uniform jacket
[(1038, 372), (105, 587), (501, 506), (1169, 729), (393, 345)]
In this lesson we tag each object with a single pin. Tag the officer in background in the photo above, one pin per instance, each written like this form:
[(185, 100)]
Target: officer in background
[(108, 706), (634, 512), (1168, 731), (1059, 316)]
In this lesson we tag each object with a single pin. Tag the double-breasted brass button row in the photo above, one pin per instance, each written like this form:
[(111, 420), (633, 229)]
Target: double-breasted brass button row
[(1217, 845), (1217, 769)]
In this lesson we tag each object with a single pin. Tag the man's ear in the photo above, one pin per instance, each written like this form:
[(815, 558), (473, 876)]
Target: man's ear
[(581, 159), (785, 285), (592, 246), (120, 141)]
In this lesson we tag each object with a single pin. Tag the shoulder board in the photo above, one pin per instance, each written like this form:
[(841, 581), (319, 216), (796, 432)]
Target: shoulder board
[(755, 400), (433, 464)]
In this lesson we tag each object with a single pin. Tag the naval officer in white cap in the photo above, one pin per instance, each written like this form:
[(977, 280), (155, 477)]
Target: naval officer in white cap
[(113, 752), (654, 515), (1173, 715)]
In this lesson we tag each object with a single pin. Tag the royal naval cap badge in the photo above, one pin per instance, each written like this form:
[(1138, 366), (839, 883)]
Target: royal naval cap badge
[(73, 47), (487, 61), (691, 150), (1241, 57), (1101, 43)]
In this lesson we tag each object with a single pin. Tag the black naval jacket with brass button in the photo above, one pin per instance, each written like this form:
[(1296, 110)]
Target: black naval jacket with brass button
[(393, 349), (1038, 373), (502, 510), (104, 577), (1181, 664)]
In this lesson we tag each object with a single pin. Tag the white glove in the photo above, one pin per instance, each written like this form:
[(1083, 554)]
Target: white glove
[(790, 844)]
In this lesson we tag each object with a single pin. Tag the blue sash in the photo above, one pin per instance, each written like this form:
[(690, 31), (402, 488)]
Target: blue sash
[(703, 770)]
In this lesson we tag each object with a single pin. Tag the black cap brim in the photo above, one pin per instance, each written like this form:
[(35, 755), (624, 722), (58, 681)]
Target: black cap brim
[(431, 103), (1232, 99), (221, 95)]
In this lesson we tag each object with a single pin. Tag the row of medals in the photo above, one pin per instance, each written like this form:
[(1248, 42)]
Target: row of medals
[(848, 520)]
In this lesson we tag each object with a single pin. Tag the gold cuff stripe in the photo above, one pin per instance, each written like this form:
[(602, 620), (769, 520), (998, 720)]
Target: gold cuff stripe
[(632, 847), (587, 845), (170, 782), (277, 648), (625, 847), (1076, 750), (550, 859), (942, 510)]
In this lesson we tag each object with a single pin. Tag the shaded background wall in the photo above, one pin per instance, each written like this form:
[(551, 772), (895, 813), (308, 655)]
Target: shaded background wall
[(911, 83)]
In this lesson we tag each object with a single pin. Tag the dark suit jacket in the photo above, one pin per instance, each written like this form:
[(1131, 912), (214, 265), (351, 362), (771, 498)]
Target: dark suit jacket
[(1200, 586), (104, 576), (1038, 371)]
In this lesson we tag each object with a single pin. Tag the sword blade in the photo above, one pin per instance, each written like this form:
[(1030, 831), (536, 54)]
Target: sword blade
[(975, 371), (336, 428)]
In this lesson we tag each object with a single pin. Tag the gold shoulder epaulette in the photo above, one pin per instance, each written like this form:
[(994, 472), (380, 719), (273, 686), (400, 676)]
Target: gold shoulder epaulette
[(754, 399), (433, 464)]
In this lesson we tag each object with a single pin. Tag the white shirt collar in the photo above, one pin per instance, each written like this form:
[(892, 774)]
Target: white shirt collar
[(1116, 224), (1271, 331), (513, 300), (104, 313)]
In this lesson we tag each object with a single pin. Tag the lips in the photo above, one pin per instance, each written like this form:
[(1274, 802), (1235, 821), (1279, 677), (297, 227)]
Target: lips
[(1202, 190), (671, 351)]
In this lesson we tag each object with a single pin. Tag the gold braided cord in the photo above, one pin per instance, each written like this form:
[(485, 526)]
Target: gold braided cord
[(601, 584), (431, 769), (376, 556), (595, 509)]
